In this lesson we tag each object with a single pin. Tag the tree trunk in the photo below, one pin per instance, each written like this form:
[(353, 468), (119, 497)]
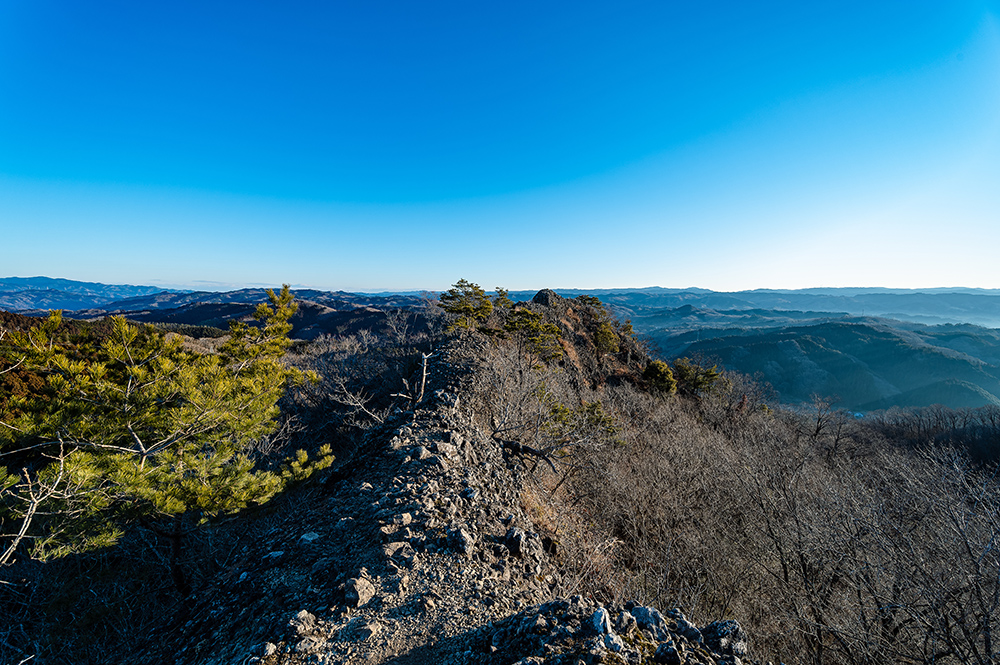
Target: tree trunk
[(176, 570)]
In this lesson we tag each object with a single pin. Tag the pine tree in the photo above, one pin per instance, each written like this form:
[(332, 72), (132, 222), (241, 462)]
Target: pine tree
[(141, 431), (469, 302), (660, 378), (697, 379), (535, 334), (605, 338)]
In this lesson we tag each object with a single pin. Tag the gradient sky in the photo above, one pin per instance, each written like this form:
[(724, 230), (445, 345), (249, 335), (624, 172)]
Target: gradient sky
[(404, 145)]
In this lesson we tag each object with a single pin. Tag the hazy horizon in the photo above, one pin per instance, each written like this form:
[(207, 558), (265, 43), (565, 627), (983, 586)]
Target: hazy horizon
[(206, 286), (371, 148)]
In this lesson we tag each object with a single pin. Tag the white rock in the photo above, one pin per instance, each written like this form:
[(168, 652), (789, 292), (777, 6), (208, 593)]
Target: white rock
[(303, 622), (600, 621)]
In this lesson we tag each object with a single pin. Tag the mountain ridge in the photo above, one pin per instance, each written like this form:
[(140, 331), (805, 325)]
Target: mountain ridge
[(718, 325), (940, 304)]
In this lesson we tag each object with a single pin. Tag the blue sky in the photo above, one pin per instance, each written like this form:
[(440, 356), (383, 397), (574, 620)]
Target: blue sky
[(399, 145)]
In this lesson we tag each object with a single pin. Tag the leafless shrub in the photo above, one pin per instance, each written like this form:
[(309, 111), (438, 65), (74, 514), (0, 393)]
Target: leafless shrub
[(505, 393)]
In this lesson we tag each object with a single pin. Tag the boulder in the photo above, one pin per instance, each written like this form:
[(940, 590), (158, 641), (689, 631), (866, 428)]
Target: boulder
[(600, 622), (359, 591), (523, 545), (683, 626), (667, 654), (625, 624), (303, 622), (726, 637), (613, 643), (461, 540), (401, 552), (649, 618), (308, 538)]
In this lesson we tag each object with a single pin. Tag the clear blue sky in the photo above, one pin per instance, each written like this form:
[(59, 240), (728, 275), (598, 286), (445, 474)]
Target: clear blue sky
[(404, 145)]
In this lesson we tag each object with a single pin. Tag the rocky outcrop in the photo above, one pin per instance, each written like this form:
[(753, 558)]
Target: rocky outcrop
[(577, 630), (548, 298)]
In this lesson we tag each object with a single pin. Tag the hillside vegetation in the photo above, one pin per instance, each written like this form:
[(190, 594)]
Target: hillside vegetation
[(522, 480)]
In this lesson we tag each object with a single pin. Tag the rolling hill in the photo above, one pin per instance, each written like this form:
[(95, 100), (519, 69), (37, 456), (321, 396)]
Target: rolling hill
[(854, 363)]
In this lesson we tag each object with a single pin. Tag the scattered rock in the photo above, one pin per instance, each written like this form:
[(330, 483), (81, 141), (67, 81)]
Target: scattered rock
[(266, 649), (309, 645), (308, 538), (359, 591), (461, 540), (303, 622), (402, 519), (321, 566), (368, 629)]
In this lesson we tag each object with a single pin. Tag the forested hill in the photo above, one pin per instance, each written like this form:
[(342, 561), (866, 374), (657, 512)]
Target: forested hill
[(858, 363)]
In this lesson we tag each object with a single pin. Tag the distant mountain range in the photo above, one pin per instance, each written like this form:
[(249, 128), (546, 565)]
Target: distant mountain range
[(35, 295), (861, 349), (931, 306), (320, 312), (953, 305), (26, 293)]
